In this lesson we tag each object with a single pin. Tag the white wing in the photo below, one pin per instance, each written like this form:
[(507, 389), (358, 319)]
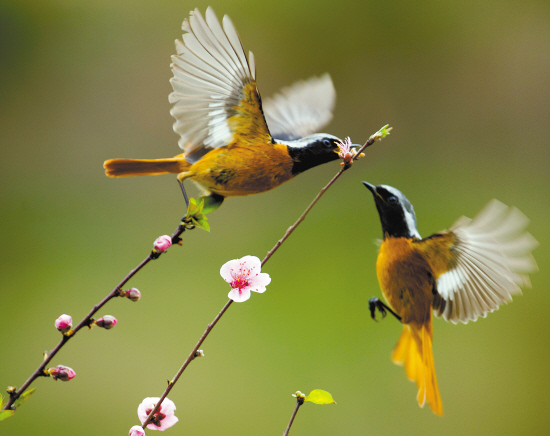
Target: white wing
[(211, 74), (301, 109), (492, 256)]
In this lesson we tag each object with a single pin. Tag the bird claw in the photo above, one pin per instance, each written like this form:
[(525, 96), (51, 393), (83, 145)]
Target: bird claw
[(375, 303)]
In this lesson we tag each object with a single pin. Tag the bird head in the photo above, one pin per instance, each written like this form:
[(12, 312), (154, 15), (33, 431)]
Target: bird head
[(313, 150), (396, 211)]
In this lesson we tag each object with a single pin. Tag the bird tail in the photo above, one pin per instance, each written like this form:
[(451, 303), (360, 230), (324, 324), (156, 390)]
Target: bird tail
[(145, 167), (414, 351)]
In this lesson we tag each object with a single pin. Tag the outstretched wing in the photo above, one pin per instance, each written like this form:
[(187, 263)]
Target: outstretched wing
[(479, 264), (216, 100), (301, 109)]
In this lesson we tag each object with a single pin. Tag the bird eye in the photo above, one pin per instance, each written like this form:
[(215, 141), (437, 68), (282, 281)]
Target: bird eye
[(392, 199), (326, 142)]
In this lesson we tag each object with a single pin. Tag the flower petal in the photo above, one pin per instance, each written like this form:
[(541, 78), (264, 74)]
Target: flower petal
[(167, 406), (167, 422), (225, 270), (147, 404), (239, 297), (262, 279), (252, 263)]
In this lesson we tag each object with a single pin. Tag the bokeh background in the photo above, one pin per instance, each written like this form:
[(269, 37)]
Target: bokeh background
[(465, 86)]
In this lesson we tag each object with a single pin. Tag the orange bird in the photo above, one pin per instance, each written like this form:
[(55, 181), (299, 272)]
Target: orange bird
[(459, 274), (232, 145)]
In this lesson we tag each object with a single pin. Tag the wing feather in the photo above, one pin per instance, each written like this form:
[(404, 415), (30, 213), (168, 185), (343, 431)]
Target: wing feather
[(215, 98), (301, 109), (486, 260)]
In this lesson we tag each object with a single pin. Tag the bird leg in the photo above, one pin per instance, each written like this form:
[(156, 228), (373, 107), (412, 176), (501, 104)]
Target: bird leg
[(375, 303), (184, 194)]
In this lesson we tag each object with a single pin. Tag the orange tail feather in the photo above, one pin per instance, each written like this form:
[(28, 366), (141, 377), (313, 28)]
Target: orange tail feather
[(145, 167), (414, 351)]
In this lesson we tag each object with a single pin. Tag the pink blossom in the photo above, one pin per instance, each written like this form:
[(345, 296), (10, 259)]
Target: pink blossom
[(346, 152), (107, 322), (244, 276), (162, 419), (162, 243), (136, 430), (64, 323), (133, 294), (61, 372)]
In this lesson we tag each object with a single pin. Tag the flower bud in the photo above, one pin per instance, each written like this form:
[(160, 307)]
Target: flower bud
[(64, 323), (60, 372), (106, 322), (136, 430), (133, 294), (162, 243)]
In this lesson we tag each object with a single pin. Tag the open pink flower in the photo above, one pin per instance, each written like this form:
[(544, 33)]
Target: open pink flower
[(244, 276), (163, 419), (346, 152)]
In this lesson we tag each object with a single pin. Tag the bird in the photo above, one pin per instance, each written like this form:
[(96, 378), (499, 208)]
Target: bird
[(459, 274), (233, 145)]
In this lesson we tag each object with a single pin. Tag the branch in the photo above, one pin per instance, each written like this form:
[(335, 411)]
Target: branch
[(382, 133), (299, 401), (87, 320)]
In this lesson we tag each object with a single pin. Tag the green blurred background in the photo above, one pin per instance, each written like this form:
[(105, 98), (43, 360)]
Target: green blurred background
[(465, 86)]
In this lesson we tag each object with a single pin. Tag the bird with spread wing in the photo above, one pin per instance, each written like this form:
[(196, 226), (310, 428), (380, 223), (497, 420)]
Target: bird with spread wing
[(458, 274), (232, 144)]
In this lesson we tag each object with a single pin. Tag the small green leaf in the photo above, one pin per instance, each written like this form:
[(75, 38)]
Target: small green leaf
[(382, 133), (319, 396), (2, 401), (192, 209), (203, 224), (23, 397), (4, 414)]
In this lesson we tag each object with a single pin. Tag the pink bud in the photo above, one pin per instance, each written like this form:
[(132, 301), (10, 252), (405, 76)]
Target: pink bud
[(64, 323), (133, 294), (106, 322), (162, 243), (63, 373), (136, 430)]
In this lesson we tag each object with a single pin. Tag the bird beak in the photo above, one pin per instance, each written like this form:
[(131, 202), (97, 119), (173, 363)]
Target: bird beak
[(370, 187)]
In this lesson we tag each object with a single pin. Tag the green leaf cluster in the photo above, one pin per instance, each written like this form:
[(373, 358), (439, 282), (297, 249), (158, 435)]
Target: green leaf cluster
[(4, 414), (196, 214)]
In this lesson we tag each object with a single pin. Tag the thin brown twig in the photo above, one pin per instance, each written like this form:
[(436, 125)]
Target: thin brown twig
[(299, 402), (289, 231), (86, 322), (270, 253)]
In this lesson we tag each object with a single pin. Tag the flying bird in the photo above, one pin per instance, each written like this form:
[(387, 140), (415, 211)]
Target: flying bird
[(232, 144), (458, 274)]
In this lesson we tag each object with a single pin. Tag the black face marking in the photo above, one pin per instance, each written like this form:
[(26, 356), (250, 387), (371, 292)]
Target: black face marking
[(396, 213), (224, 176), (319, 150)]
